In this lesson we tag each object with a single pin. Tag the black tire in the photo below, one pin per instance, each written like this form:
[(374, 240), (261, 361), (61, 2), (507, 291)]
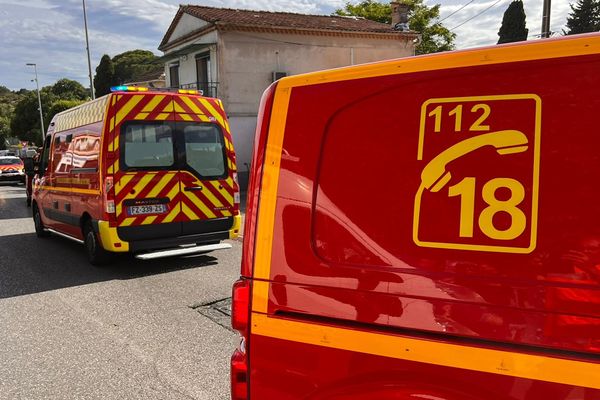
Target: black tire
[(39, 225), (96, 254)]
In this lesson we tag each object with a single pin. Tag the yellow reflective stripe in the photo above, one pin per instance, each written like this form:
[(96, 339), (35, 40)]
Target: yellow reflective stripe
[(190, 103), (145, 180), (178, 108), (172, 214), (549, 369), (200, 204), (152, 104), (186, 117), (121, 183), (127, 107), (188, 212), (149, 220), (142, 116), (127, 221), (223, 192), (162, 117), (161, 184), (69, 190), (214, 113)]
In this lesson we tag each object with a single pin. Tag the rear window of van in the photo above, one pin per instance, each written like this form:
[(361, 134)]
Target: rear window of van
[(148, 145)]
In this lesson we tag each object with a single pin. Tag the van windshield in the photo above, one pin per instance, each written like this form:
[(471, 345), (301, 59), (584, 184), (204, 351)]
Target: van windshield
[(10, 161), (148, 145), (204, 149)]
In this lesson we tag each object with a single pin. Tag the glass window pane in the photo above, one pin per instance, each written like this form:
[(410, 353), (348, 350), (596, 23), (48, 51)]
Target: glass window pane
[(148, 145), (204, 149)]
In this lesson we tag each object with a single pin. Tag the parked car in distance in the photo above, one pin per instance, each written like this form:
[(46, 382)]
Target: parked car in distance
[(11, 169)]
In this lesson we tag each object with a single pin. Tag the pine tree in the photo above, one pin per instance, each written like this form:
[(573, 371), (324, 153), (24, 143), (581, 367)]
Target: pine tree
[(105, 76), (513, 24), (584, 17)]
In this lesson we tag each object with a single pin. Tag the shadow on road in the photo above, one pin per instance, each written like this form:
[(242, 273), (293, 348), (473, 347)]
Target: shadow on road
[(30, 265), (13, 207)]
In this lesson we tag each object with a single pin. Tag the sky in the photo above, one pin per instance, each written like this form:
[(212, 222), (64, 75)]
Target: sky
[(50, 32)]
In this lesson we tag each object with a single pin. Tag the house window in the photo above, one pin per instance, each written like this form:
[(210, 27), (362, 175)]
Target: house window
[(174, 75), (203, 73)]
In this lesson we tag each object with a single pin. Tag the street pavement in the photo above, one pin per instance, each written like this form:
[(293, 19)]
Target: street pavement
[(132, 330)]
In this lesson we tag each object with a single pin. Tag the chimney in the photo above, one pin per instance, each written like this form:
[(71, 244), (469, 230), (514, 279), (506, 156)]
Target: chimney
[(399, 16)]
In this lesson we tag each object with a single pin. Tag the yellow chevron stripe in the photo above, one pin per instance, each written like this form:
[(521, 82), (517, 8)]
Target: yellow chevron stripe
[(162, 117), (149, 220), (178, 108), (188, 212), (121, 183), (200, 204), (152, 104), (143, 182), (190, 103), (161, 184), (186, 117), (214, 113), (126, 109), (169, 108), (142, 115), (173, 213), (127, 221), (223, 192)]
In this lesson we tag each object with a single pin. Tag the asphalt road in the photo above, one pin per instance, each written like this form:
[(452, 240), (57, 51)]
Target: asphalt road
[(132, 330)]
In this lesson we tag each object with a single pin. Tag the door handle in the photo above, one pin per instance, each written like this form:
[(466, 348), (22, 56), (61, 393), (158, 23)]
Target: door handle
[(192, 188)]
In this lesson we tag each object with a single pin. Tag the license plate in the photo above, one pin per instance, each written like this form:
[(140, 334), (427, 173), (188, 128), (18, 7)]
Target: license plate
[(149, 209)]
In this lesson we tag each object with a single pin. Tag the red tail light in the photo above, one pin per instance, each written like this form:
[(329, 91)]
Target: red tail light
[(240, 306), (240, 319), (239, 376)]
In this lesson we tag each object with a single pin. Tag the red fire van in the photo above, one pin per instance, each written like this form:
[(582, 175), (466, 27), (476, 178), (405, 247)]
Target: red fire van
[(426, 228), (147, 172)]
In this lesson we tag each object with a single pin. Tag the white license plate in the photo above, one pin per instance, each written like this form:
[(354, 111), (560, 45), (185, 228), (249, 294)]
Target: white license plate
[(149, 209)]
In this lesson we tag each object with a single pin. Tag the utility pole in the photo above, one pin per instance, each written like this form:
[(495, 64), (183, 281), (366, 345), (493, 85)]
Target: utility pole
[(87, 47), (546, 19), (37, 85)]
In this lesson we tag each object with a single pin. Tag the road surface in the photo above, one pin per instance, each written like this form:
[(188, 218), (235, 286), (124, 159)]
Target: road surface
[(132, 330)]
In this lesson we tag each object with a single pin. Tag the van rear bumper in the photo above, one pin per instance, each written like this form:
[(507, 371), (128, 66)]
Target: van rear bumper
[(144, 238)]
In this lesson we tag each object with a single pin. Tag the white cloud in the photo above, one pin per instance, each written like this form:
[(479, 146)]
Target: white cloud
[(50, 32)]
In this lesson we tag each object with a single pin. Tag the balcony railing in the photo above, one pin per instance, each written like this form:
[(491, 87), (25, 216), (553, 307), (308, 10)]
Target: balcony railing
[(208, 89)]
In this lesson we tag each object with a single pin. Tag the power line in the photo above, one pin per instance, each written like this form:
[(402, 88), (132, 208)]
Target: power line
[(451, 14), (476, 15)]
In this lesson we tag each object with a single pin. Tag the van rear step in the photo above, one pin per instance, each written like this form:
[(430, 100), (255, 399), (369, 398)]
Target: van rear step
[(182, 251)]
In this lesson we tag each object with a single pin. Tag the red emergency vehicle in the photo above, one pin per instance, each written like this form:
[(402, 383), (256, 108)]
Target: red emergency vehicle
[(426, 228), (147, 172)]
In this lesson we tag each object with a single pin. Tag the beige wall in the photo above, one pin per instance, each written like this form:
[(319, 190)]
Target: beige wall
[(247, 60), (243, 64)]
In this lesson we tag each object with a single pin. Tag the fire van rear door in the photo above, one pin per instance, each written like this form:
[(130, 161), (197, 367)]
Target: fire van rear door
[(147, 193), (206, 175)]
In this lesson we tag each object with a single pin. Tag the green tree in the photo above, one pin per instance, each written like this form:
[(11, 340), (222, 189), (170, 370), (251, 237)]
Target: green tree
[(584, 17), (69, 90), (62, 105), (25, 123), (130, 65), (435, 37), (513, 28), (105, 76)]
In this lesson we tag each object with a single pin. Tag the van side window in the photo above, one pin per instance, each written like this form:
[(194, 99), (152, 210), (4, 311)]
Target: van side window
[(45, 155), (148, 144), (204, 149)]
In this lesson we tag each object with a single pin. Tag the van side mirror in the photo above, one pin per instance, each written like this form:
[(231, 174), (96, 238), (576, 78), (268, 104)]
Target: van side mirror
[(29, 165)]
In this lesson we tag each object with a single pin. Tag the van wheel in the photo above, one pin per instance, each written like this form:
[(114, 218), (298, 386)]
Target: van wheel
[(39, 225), (96, 254)]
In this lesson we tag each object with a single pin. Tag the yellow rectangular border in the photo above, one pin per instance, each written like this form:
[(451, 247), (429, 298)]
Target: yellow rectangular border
[(550, 369), (535, 181)]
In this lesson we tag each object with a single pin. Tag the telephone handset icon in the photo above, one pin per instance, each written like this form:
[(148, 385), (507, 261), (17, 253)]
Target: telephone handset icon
[(434, 176)]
